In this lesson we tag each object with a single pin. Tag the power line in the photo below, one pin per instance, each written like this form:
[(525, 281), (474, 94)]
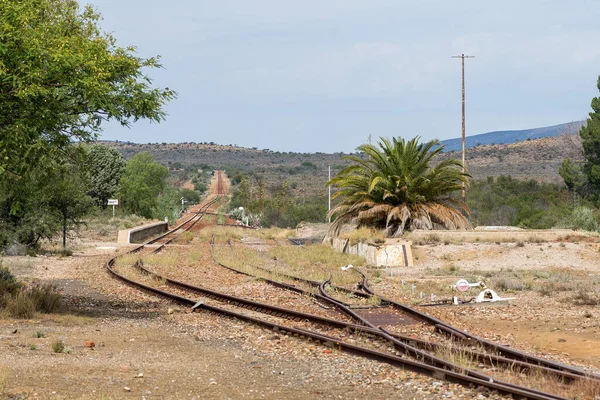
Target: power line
[(464, 162)]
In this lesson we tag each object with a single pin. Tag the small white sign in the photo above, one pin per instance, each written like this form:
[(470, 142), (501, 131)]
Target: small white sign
[(113, 202)]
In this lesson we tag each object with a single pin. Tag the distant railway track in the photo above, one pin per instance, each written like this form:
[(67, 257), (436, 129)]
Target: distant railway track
[(312, 326)]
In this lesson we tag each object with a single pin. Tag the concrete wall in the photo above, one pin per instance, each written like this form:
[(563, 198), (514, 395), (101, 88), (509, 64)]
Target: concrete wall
[(393, 253), (141, 233)]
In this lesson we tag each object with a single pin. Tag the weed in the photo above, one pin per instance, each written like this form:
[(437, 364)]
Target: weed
[(535, 239), (64, 252), (8, 282), (374, 301), (362, 235), (562, 245), (187, 237), (58, 346), (32, 347), (20, 305), (520, 244), (45, 297), (3, 377), (584, 297), (39, 334), (456, 355), (432, 238), (448, 269), (510, 284), (587, 314)]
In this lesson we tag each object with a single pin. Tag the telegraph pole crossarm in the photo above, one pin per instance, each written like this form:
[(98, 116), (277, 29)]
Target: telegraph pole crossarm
[(464, 162)]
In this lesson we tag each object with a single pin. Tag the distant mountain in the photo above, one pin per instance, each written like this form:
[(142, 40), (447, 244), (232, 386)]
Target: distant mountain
[(506, 137)]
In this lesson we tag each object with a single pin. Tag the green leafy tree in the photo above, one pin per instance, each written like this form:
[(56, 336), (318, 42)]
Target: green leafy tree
[(61, 77), (395, 188), (167, 205), (590, 135), (65, 196), (45, 199), (573, 176), (104, 168), (143, 180)]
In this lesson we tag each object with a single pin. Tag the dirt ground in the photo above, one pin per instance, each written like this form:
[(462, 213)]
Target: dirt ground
[(145, 347)]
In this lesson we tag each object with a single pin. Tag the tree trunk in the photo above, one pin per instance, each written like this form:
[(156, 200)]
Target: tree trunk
[(64, 231)]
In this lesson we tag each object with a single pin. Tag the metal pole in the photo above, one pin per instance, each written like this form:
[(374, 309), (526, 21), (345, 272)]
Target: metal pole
[(464, 161), (329, 202)]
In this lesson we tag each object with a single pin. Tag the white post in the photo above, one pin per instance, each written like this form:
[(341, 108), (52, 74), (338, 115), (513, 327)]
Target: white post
[(113, 210), (329, 202)]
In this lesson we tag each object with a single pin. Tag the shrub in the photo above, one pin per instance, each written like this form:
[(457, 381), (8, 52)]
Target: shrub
[(45, 297), (583, 219), (432, 238), (585, 298), (20, 305), (8, 282), (510, 284), (58, 346)]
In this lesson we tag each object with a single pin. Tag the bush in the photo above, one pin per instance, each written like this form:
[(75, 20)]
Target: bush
[(45, 297), (20, 305), (58, 346), (583, 219), (8, 282)]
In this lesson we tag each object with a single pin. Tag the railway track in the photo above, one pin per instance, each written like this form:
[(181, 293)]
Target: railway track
[(307, 325), (497, 355)]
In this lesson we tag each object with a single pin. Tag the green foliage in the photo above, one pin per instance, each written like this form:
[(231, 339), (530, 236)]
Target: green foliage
[(573, 176), (8, 283), (308, 210), (58, 346), (528, 204), (395, 188), (46, 198), (167, 205), (104, 168), (275, 206), (590, 135), (143, 180), (191, 196), (61, 77), (582, 218)]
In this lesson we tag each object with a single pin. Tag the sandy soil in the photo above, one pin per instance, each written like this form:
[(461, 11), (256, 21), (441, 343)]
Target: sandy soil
[(145, 347)]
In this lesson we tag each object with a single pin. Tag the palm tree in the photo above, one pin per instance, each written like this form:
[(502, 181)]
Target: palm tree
[(396, 189)]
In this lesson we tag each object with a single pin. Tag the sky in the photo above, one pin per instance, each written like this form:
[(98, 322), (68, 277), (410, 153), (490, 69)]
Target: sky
[(323, 75)]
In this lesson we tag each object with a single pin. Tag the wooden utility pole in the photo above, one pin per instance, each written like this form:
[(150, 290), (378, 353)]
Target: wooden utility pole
[(464, 162)]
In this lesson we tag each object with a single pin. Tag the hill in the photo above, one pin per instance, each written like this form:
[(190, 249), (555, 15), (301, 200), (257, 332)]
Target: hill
[(506, 137), (306, 173)]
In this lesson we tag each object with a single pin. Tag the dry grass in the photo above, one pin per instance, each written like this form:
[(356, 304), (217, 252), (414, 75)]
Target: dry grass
[(221, 234), (103, 226), (457, 356), (134, 274), (20, 305), (69, 320), (127, 259), (3, 378), (586, 297), (320, 261), (165, 258), (364, 235), (273, 233)]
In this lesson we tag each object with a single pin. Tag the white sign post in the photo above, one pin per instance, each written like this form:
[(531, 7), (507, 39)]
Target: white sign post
[(113, 202)]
